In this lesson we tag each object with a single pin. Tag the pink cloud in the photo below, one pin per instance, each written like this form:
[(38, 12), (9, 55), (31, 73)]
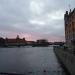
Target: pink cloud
[(34, 36)]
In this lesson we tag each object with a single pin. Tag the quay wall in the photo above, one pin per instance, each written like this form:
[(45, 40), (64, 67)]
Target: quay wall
[(67, 59)]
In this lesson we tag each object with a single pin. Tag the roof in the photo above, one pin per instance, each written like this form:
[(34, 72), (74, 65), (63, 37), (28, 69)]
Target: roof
[(70, 13)]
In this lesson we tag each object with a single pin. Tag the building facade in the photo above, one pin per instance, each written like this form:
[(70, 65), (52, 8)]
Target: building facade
[(69, 19), (15, 41)]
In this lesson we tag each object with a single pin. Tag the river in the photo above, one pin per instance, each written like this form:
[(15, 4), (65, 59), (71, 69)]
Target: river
[(30, 61)]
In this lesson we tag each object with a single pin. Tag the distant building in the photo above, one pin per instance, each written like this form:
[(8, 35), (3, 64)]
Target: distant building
[(15, 41), (42, 42), (2, 42), (69, 19)]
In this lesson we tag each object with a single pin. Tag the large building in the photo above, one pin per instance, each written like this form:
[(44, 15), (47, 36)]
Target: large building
[(15, 41), (69, 19)]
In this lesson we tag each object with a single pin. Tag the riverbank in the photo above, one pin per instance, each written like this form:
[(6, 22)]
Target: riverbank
[(66, 59)]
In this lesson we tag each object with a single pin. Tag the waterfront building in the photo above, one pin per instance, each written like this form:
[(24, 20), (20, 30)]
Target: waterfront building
[(42, 42), (15, 41), (69, 19), (66, 54)]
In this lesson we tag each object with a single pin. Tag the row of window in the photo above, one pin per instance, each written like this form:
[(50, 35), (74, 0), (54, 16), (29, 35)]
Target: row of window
[(70, 30)]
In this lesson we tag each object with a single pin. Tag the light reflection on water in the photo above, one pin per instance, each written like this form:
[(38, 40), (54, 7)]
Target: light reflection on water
[(30, 61)]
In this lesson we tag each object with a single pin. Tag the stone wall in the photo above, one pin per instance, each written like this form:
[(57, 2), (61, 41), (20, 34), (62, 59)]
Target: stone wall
[(66, 58)]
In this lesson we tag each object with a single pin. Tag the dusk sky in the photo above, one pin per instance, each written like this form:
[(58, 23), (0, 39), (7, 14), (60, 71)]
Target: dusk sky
[(34, 19)]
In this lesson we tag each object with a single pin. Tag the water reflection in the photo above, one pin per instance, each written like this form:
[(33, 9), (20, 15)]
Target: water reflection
[(30, 61)]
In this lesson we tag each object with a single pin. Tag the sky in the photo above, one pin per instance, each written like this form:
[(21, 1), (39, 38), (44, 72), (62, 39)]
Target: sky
[(34, 19)]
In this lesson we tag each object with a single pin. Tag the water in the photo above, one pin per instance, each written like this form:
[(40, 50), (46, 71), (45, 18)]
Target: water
[(30, 61)]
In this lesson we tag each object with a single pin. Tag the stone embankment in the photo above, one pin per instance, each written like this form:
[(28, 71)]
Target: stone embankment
[(66, 58)]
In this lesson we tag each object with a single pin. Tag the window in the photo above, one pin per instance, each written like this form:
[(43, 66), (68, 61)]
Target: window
[(73, 26)]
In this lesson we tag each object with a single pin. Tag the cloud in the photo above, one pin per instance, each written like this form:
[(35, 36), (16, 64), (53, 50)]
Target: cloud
[(57, 15), (37, 22), (36, 7), (33, 18)]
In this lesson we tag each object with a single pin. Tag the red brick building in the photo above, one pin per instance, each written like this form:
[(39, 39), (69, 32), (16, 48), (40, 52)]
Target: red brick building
[(15, 41)]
